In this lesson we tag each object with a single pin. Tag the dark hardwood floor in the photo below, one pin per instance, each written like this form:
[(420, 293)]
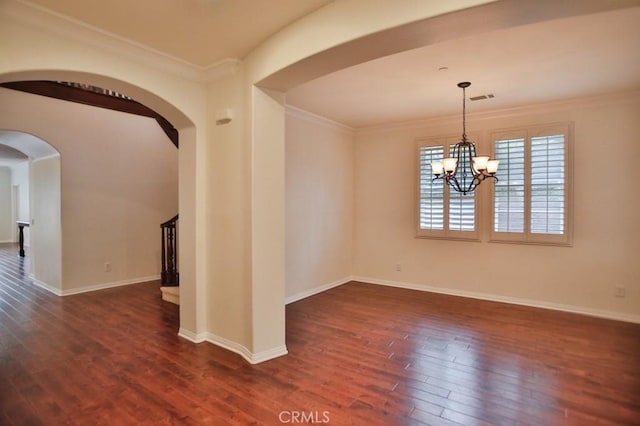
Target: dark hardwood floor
[(358, 354)]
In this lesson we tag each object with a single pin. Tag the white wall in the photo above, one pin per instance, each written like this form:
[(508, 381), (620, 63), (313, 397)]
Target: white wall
[(582, 277), (20, 179), (319, 202), (119, 182), (6, 206), (228, 219), (46, 227)]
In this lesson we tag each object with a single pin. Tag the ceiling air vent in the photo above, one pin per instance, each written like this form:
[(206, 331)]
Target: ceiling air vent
[(481, 97)]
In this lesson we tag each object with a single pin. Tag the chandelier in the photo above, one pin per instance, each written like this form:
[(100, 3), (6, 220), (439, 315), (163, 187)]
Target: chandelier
[(464, 171)]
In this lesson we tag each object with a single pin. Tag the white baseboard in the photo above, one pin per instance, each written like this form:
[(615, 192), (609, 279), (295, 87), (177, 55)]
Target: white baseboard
[(316, 290), (272, 353), (232, 346), (45, 286), (89, 288), (191, 336), (112, 284), (618, 316)]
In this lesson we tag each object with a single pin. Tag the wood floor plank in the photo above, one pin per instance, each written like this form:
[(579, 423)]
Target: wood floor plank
[(361, 354)]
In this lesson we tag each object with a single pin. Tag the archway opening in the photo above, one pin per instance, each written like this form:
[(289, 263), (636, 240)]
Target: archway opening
[(102, 177), (35, 201)]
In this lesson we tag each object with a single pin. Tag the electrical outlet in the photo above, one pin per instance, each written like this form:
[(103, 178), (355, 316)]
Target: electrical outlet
[(398, 267), (620, 290), (107, 266)]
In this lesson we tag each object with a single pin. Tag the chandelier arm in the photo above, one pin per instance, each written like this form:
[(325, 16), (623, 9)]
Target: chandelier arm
[(483, 175), (471, 187), (472, 155), (476, 182), (462, 150), (453, 183), (456, 154)]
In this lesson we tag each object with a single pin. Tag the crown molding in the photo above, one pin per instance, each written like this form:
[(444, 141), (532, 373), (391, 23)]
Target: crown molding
[(302, 114), (617, 98), (224, 68), (25, 12)]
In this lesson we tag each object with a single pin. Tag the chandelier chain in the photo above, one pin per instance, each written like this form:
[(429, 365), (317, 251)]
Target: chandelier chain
[(464, 115)]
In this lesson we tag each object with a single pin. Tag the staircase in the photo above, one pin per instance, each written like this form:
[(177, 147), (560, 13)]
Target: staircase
[(170, 277)]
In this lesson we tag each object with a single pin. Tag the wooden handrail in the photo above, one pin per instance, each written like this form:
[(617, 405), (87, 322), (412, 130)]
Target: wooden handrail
[(94, 96), (170, 221)]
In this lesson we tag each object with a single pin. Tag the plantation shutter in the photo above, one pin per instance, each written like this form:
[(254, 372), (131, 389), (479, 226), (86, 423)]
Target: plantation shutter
[(442, 211), (509, 191), (548, 184), (431, 193)]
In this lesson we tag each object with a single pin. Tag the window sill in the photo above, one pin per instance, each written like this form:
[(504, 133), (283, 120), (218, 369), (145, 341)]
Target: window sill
[(448, 237), (532, 243)]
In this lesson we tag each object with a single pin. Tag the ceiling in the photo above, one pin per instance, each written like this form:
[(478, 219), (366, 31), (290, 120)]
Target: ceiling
[(16, 147), (565, 58), (201, 32), (557, 59), (10, 156)]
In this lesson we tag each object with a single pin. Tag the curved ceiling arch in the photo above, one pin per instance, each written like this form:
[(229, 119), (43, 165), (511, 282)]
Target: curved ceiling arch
[(492, 16), (10, 156), (173, 114), (30, 146)]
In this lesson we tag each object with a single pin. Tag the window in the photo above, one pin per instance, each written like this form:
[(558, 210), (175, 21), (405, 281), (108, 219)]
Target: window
[(431, 193), (442, 213), (531, 200)]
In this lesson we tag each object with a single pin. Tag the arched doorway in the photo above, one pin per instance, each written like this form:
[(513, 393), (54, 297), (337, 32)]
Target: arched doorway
[(188, 136), (36, 182)]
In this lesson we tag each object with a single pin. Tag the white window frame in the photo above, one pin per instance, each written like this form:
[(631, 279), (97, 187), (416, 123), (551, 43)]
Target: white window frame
[(446, 141), (527, 237)]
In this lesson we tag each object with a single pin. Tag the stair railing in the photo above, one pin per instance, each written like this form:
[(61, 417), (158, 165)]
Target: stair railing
[(170, 275)]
